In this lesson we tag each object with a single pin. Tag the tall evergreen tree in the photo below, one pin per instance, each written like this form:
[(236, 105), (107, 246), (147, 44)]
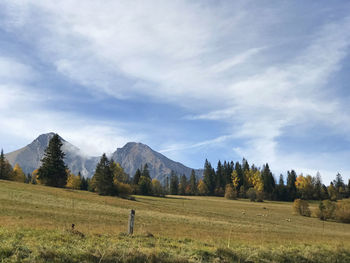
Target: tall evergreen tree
[(145, 171), (84, 182), (183, 185), (174, 183), (269, 181), (193, 183), (208, 177), (5, 168), (145, 182), (240, 175), (137, 176), (282, 191), (291, 188), (318, 187), (103, 177), (219, 176), (338, 182), (53, 170)]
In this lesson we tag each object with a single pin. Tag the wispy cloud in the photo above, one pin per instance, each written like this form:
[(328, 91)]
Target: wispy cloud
[(255, 69)]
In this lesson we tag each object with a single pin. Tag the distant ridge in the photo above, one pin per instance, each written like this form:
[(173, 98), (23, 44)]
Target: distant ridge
[(131, 157)]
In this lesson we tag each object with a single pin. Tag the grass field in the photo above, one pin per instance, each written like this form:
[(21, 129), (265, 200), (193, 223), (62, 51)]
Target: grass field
[(35, 222)]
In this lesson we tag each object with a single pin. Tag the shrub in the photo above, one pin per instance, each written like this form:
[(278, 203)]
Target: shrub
[(124, 189), (301, 207), (326, 210), (342, 212), (251, 193), (229, 192)]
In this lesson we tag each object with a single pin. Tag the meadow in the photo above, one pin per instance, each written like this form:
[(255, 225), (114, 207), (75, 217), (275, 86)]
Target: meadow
[(35, 226)]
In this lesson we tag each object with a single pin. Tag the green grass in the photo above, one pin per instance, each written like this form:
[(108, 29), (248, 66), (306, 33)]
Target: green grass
[(35, 222)]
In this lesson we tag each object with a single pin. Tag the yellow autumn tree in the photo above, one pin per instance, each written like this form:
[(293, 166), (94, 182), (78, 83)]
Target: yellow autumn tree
[(305, 186), (157, 188), (18, 174), (73, 181), (235, 180), (35, 176), (202, 188)]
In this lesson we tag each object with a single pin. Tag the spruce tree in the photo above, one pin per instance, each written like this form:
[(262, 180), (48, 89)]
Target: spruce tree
[(145, 182), (240, 175), (137, 176), (145, 171), (174, 183), (291, 188), (269, 181), (193, 183), (208, 177), (103, 177), (183, 185), (53, 170)]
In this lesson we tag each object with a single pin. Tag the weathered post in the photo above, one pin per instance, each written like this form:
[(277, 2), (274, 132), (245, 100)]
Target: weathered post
[(131, 222)]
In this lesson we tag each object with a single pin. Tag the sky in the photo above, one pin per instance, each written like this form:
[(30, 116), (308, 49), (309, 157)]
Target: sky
[(263, 80)]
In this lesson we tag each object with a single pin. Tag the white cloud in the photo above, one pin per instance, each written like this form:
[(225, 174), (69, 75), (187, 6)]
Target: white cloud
[(202, 58)]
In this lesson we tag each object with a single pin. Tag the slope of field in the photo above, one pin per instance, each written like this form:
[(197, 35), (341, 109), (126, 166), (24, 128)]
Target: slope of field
[(35, 224)]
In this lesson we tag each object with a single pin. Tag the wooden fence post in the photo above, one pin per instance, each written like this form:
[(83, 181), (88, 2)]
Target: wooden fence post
[(131, 222)]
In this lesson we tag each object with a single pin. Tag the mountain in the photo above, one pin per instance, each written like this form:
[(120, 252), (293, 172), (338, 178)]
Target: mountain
[(131, 157), (135, 155), (29, 156)]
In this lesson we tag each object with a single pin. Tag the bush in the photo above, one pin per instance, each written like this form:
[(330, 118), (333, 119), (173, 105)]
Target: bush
[(301, 207), (342, 212), (229, 192), (251, 194), (326, 210), (123, 189)]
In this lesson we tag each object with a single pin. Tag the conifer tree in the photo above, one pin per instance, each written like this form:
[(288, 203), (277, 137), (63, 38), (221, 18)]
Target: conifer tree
[(219, 176), (193, 183), (103, 177), (240, 175), (84, 182), (52, 171), (145, 171), (208, 177), (174, 183), (291, 188), (318, 187), (137, 176), (145, 182), (183, 185)]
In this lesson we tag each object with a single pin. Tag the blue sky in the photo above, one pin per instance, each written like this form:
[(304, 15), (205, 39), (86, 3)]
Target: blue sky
[(264, 80)]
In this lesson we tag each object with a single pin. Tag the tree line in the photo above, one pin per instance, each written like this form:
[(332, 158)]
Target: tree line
[(229, 179)]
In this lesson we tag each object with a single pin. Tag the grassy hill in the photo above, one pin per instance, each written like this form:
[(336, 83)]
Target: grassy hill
[(35, 223)]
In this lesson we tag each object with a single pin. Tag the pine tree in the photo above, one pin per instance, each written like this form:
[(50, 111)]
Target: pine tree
[(174, 183), (318, 187), (145, 182), (137, 176), (240, 175), (282, 191), (291, 188), (84, 182), (6, 171), (193, 183), (53, 169), (269, 181), (208, 177), (182, 185), (103, 177), (145, 171), (219, 176)]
